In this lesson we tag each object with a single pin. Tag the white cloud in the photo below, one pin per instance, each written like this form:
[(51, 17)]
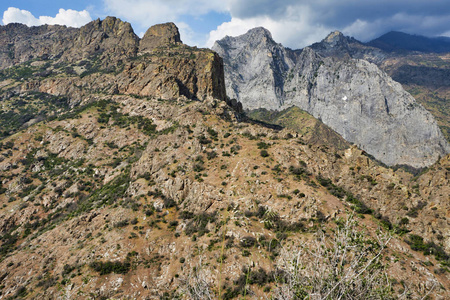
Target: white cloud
[(291, 33), (189, 36), (296, 29), (148, 13), (294, 23), (67, 17), (300, 23), (144, 14), (413, 24)]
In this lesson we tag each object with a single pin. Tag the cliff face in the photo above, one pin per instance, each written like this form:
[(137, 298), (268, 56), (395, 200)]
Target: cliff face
[(174, 72), (352, 96), (103, 56)]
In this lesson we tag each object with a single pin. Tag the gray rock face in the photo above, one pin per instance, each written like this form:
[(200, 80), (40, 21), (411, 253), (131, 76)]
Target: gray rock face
[(159, 35), (352, 96), (338, 45)]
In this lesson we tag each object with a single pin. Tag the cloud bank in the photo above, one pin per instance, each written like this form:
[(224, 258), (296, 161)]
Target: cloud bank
[(296, 23), (67, 17), (299, 23)]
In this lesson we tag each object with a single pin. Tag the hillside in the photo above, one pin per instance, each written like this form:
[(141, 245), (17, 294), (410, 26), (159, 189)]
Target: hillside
[(145, 182), (311, 130)]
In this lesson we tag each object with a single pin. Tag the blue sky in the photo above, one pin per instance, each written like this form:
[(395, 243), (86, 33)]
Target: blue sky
[(294, 23)]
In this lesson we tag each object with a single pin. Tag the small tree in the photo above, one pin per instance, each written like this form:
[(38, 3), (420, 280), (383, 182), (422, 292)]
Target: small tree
[(347, 266), (197, 284)]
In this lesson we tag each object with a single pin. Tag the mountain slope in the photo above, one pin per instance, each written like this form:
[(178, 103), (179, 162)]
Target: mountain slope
[(423, 74), (352, 96), (75, 66), (146, 196), (311, 130), (109, 209)]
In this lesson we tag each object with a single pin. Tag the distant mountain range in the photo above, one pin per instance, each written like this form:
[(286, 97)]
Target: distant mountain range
[(396, 41)]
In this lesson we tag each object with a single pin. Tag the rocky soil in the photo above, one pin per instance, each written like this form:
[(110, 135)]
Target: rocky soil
[(132, 192)]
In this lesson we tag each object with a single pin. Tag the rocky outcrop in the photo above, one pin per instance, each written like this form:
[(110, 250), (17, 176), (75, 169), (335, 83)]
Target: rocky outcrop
[(110, 35), (170, 76), (106, 56), (340, 46), (109, 38), (352, 96), (254, 66), (424, 75), (160, 35)]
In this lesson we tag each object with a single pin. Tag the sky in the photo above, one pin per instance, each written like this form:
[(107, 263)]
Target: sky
[(294, 23)]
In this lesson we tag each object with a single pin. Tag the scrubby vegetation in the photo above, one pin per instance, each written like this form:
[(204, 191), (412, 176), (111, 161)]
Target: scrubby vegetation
[(230, 193), (110, 267)]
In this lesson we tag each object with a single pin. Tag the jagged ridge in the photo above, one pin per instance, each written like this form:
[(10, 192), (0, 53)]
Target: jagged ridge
[(118, 61)]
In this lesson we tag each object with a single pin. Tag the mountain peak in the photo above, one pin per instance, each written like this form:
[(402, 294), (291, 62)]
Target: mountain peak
[(255, 37), (335, 38), (259, 31), (334, 44), (396, 41), (160, 35), (262, 74)]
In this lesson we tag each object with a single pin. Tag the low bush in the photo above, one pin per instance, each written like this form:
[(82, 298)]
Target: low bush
[(110, 267)]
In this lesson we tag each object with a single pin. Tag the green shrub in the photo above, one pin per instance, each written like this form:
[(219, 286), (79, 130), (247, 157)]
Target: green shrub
[(211, 155), (110, 267), (262, 145), (199, 222), (212, 133), (203, 140), (248, 241), (264, 153)]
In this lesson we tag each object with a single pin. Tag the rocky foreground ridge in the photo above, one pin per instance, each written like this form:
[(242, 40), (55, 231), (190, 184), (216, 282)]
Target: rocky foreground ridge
[(333, 81)]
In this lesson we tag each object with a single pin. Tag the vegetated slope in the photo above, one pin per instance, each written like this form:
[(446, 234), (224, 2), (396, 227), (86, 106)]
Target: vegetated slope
[(311, 130), (110, 208), (132, 196), (105, 57), (352, 96)]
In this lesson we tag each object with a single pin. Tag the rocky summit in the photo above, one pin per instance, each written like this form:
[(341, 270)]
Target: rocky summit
[(126, 173), (333, 82)]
